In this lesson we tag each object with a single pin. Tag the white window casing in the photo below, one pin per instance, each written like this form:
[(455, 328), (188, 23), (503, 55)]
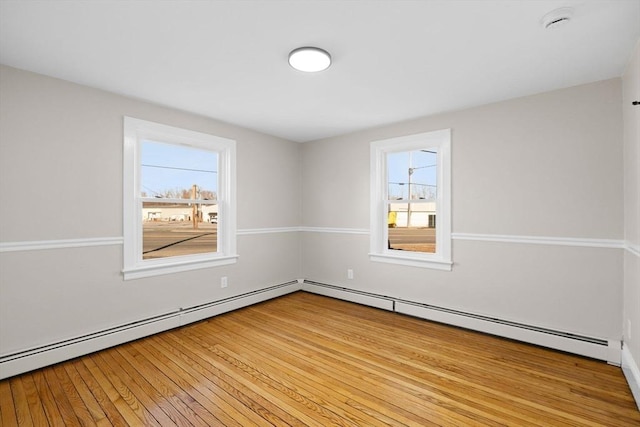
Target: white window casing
[(136, 131), (379, 251)]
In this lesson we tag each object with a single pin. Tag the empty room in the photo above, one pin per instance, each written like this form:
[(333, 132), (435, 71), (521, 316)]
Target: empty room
[(314, 213)]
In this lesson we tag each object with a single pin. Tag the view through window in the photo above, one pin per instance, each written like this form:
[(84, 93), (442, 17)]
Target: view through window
[(179, 192), (412, 190)]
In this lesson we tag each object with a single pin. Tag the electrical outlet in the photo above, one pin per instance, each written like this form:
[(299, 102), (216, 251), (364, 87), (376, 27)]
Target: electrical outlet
[(350, 274), (223, 282)]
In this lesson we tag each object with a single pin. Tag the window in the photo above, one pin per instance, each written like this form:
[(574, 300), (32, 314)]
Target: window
[(411, 200), (179, 201)]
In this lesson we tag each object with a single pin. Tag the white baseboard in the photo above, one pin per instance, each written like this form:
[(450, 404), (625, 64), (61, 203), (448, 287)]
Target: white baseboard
[(216, 308), (57, 352), (348, 295), (597, 348), (631, 373), (28, 360), (17, 363)]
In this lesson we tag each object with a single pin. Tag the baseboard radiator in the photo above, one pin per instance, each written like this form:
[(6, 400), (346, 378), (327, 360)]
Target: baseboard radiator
[(597, 348), (28, 360)]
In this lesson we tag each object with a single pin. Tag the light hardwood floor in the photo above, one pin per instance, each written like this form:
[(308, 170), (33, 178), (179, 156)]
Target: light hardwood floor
[(307, 360)]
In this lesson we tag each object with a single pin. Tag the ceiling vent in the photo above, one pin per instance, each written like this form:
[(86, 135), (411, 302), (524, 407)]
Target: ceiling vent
[(557, 18)]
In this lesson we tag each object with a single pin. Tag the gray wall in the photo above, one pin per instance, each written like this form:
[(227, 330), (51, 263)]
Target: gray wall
[(631, 92), (548, 165), (61, 178)]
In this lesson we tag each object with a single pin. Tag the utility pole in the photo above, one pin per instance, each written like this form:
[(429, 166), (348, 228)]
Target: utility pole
[(194, 206)]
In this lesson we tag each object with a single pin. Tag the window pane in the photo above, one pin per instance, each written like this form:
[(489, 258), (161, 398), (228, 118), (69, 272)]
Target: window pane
[(178, 229), (412, 227), (178, 172), (411, 175)]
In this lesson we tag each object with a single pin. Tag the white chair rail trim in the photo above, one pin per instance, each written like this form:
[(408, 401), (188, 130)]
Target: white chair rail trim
[(538, 240)]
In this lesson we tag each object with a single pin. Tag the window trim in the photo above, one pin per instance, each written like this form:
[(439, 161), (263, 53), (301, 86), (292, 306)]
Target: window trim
[(137, 130), (379, 252)]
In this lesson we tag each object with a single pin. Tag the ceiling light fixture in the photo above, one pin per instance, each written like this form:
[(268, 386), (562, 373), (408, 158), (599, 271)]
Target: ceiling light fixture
[(309, 59), (557, 18)]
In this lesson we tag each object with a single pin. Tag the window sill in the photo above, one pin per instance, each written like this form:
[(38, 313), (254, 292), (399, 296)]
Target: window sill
[(412, 260), (168, 267)]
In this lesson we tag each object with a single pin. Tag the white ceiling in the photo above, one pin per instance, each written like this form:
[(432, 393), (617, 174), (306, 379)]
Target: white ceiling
[(393, 60)]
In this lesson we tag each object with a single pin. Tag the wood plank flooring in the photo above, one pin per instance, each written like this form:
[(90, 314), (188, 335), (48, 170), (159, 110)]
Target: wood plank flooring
[(307, 360)]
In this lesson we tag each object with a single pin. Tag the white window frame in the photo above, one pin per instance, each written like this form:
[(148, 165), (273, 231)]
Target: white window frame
[(379, 229), (136, 131)]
